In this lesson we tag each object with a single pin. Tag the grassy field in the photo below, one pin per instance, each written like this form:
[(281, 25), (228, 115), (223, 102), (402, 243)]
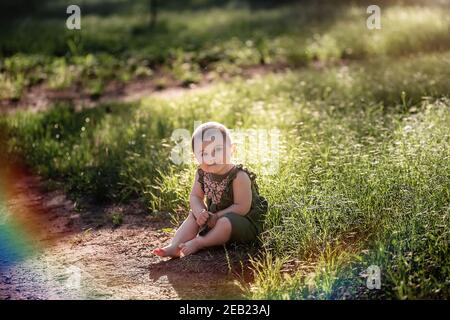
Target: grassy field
[(364, 165), (365, 153)]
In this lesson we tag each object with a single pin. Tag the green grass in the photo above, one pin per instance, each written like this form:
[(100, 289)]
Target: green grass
[(363, 179), (119, 45)]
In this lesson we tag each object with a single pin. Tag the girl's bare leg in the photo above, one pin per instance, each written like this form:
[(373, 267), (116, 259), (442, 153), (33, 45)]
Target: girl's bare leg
[(219, 235), (187, 231)]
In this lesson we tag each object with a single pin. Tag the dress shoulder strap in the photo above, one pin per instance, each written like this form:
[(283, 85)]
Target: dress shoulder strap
[(240, 167), (201, 178)]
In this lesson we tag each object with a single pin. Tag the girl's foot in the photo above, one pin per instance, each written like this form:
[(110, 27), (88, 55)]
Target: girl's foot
[(190, 247), (168, 251)]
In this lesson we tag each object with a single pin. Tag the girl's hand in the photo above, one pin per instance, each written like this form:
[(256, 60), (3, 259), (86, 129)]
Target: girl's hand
[(202, 217), (212, 220)]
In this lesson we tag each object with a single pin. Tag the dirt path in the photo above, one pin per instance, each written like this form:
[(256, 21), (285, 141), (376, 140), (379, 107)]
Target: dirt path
[(82, 255), (70, 253), (40, 98)]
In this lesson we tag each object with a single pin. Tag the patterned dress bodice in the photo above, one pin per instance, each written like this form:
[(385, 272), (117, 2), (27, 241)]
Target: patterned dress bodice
[(219, 194)]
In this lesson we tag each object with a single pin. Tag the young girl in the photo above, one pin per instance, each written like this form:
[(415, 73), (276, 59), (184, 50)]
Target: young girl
[(233, 211)]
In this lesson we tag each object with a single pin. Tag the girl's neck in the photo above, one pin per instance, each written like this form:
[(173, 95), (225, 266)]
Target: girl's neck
[(226, 169)]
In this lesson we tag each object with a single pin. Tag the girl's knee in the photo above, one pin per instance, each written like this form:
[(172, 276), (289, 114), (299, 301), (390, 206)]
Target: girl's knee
[(224, 222)]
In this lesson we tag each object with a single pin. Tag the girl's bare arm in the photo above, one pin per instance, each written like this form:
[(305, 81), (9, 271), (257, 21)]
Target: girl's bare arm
[(196, 199)]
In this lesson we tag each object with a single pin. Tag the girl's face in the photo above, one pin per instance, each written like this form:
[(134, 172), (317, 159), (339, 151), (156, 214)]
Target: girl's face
[(214, 154)]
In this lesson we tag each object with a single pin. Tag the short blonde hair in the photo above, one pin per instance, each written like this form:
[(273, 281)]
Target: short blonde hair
[(200, 131)]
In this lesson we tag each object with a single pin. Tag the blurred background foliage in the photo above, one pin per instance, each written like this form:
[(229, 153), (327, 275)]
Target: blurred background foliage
[(123, 41)]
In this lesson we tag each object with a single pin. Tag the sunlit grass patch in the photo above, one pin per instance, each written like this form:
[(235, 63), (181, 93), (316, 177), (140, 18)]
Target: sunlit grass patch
[(393, 200), (221, 40)]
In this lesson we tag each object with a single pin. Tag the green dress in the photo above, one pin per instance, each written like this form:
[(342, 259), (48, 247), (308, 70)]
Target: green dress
[(218, 190)]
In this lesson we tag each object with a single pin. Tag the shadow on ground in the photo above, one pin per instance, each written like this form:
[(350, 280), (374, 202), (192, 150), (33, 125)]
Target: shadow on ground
[(217, 273)]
